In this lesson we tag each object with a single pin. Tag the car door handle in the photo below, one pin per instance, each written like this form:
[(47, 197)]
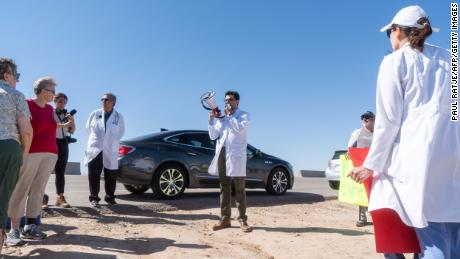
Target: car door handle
[(191, 154)]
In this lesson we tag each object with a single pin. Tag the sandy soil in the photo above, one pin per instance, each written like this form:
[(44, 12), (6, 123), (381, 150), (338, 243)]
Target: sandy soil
[(294, 226)]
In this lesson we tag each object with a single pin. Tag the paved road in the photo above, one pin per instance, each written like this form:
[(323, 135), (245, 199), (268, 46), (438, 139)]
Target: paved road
[(77, 192)]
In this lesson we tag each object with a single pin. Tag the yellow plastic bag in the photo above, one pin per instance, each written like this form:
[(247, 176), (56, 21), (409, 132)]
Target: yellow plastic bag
[(350, 191)]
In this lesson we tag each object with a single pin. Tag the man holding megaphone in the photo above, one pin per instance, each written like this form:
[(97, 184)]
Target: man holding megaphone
[(229, 162)]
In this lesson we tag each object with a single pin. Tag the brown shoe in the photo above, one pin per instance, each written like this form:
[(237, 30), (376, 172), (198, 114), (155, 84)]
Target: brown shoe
[(61, 202), (225, 223), (245, 227)]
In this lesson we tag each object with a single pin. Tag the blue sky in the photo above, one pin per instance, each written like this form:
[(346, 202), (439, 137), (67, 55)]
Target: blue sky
[(305, 70)]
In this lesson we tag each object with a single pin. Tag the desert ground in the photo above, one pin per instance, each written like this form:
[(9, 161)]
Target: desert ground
[(306, 222)]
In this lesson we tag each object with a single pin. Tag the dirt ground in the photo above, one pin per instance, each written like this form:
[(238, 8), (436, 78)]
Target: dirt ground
[(296, 225)]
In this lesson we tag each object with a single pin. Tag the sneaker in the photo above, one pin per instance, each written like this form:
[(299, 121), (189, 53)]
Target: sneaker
[(61, 202), (223, 223), (110, 200), (360, 223), (32, 232), (13, 238), (95, 204)]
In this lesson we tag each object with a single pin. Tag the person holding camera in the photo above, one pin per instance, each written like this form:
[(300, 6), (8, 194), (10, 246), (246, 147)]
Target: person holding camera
[(105, 128), (65, 127)]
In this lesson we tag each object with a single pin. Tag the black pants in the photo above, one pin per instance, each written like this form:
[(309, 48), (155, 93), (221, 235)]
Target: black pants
[(94, 176), (59, 169)]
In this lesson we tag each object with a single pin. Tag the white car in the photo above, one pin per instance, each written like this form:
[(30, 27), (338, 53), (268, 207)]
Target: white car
[(333, 169)]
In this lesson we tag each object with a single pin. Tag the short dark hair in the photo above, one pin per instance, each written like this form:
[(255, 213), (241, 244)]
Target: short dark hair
[(367, 115), (235, 94), (7, 65), (60, 95)]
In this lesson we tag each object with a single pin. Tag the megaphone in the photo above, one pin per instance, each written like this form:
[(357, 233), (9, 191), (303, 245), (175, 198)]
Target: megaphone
[(208, 101)]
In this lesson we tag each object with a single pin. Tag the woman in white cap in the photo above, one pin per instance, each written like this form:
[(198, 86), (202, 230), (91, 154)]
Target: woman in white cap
[(415, 154)]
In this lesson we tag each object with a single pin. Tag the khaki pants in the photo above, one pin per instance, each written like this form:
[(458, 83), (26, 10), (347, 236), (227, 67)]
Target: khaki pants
[(225, 183), (29, 190)]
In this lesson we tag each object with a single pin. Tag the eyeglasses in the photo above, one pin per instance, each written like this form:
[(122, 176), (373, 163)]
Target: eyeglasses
[(49, 90), (15, 74)]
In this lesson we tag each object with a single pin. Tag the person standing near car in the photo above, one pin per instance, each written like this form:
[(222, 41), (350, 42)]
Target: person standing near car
[(105, 128), (229, 162), (63, 132), (362, 138), (15, 136), (414, 157)]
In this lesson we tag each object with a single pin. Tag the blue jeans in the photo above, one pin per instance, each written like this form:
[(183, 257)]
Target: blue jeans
[(439, 240)]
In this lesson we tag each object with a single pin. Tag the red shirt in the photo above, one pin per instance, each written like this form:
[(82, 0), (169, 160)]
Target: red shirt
[(44, 126)]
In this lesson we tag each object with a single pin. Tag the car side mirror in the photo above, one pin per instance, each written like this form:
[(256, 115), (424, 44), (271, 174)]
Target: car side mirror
[(257, 152)]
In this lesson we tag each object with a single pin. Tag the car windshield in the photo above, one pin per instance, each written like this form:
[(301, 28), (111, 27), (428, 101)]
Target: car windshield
[(338, 153)]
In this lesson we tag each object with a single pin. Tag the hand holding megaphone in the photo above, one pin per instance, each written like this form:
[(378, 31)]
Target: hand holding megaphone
[(209, 103)]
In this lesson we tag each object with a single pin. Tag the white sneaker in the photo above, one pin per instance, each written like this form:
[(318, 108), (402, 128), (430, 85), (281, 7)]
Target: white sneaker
[(13, 238)]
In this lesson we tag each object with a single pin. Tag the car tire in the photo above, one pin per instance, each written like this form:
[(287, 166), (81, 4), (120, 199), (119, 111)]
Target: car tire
[(136, 189), (334, 185), (277, 182), (169, 182)]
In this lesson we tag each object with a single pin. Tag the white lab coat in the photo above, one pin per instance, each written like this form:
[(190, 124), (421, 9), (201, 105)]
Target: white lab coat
[(415, 151), (105, 140), (231, 133)]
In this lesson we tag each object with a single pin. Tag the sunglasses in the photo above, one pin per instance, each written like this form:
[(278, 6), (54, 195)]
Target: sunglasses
[(105, 99), (229, 99), (389, 32), (48, 90), (15, 74)]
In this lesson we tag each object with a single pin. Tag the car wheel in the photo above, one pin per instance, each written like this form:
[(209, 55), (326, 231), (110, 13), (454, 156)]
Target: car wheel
[(169, 182), (136, 188), (278, 181), (334, 184)]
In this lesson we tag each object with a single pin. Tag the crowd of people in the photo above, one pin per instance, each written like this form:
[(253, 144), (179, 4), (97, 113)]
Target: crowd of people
[(413, 158), (34, 142)]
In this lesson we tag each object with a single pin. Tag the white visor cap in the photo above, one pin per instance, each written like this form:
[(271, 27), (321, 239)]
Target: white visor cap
[(408, 17)]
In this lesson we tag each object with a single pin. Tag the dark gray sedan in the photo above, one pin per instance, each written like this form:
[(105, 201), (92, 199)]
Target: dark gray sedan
[(170, 161)]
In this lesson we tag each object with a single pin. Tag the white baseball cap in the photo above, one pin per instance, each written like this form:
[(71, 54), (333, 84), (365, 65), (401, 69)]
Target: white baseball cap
[(408, 17)]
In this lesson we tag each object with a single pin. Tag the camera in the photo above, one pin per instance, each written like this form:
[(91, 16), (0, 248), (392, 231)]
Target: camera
[(64, 112), (72, 113), (71, 140)]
